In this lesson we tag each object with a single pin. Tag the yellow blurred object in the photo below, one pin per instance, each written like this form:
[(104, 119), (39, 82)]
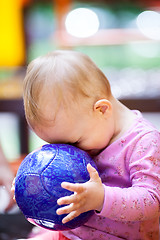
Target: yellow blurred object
[(12, 49)]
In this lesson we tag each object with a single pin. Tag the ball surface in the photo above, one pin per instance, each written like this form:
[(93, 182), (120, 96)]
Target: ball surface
[(38, 184)]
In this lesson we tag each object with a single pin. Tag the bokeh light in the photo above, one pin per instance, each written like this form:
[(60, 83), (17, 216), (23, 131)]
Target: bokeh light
[(82, 22), (148, 23)]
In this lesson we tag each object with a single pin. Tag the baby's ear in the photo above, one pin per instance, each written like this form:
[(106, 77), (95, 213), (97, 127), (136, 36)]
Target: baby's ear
[(103, 106)]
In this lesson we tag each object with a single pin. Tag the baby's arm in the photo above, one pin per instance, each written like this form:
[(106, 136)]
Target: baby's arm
[(129, 204), (87, 196), (141, 200)]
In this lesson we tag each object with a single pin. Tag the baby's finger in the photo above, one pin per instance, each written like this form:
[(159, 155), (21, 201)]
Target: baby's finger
[(13, 186), (94, 176), (73, 187), (66, 200), (75, 198), (65, 210), (70, 216), (13, 183), (13, 189)]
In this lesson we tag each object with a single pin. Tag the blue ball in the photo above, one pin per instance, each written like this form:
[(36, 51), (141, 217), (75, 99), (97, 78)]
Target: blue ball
[(38, 184)]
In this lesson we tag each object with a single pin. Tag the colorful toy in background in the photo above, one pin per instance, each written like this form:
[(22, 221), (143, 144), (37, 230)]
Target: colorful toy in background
[(38, 184), (12, 47)]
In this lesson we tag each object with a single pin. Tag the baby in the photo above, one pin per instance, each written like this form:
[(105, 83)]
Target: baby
[(68, 99)]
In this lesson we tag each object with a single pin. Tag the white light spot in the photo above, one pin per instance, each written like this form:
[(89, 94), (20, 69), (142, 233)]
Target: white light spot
[(148, 23), (82, 22)]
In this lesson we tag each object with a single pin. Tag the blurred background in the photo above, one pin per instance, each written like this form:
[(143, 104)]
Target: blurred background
[(122, 37)]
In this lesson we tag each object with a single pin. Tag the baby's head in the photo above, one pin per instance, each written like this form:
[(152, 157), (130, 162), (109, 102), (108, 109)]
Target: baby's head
[(62, 78)]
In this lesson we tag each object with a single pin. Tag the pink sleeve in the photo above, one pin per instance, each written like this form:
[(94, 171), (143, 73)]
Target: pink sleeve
[(141, 200)]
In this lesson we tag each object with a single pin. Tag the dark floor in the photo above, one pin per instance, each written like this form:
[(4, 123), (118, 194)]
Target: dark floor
[(14, 226)]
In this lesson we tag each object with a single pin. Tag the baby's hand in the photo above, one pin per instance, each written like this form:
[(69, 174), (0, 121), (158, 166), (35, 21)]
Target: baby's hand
[(13, 189), (87, 196)]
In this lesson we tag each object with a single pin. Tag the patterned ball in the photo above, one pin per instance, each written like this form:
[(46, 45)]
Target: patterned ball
[(38, 184)]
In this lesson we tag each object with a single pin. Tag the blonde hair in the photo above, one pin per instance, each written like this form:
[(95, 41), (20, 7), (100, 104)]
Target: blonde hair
[(67, 76)]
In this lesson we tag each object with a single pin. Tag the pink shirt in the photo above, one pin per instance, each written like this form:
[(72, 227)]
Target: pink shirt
[(130, 171)]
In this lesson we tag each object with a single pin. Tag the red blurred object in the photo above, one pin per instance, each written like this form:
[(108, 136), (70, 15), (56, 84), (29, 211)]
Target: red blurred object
[(151, 3), (25, 2), (16, 163)]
